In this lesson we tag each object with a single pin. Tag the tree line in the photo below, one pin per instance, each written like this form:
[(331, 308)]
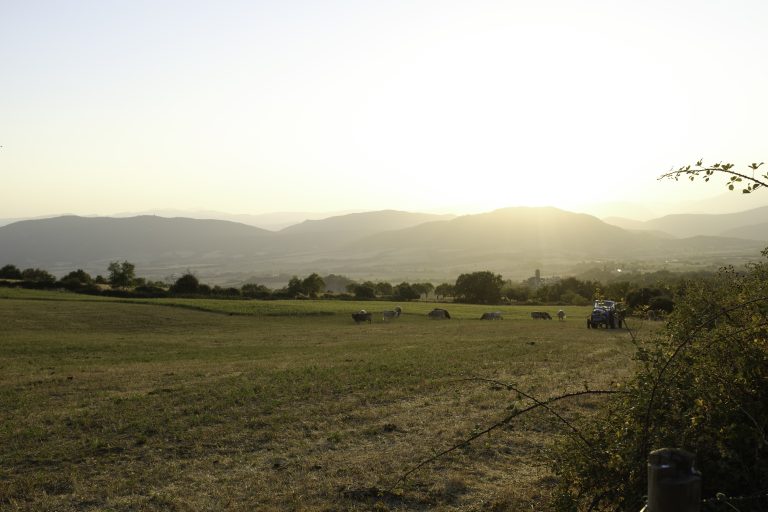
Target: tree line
[(657, 291)]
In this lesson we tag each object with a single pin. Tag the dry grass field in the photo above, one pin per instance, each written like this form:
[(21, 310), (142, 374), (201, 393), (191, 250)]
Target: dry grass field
[(288, 405)]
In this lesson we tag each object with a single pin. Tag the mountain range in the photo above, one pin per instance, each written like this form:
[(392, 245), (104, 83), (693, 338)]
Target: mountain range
[(751, 224), (380, 245)]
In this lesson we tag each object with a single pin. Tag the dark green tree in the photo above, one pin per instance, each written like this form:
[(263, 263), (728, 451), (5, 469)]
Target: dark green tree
[(642, 296), (519, 292), (383, 288), (312, 285), (76, 279), (294, 287), (38, 275), (255, 291), (364, 291), (121, 275), (229, 291), (479, 287), (404, 291), (10, 272), (444, 290), (188, 284)]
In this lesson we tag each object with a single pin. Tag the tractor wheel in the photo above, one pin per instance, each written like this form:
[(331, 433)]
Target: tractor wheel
[(589, 323)]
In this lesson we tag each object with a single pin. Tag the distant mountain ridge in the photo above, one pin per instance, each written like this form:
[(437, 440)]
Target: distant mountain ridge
[(273, 221), (384, 244), (78, 241), (750, 224)]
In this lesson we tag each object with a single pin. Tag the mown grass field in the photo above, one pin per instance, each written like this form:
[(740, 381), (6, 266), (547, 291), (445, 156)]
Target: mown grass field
[(111, 404)]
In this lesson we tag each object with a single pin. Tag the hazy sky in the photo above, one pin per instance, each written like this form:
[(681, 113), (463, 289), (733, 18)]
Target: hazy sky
[(250, 107)]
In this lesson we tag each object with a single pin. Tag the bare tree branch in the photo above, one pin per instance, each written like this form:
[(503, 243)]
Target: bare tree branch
[(497, 425)]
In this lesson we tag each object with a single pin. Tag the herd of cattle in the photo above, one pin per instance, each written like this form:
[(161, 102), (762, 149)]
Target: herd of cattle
[(443, 314)]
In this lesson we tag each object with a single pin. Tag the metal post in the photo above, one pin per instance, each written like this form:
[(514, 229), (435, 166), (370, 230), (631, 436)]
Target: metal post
[(673, 483)]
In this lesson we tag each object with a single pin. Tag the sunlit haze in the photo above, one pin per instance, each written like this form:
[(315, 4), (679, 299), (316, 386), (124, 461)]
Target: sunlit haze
[(253, 107)]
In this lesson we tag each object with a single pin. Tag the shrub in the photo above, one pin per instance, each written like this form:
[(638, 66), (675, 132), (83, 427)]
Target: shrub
[(701, 386), (39, 276), (185, 285), (479, 287), (255, 291), (363, 292), (76, 279), (121, 275), (225, 292), (404, 291), (10, 272), (662, 303)]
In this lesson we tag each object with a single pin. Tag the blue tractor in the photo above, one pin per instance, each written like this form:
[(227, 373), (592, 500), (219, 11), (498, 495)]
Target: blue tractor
[(605, 313)]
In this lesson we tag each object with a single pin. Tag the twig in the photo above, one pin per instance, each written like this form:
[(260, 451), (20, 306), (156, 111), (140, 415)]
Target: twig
[(535, 400), (495, 426)]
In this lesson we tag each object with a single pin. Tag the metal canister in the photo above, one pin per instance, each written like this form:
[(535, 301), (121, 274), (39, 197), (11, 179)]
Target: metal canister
[(674, 485)]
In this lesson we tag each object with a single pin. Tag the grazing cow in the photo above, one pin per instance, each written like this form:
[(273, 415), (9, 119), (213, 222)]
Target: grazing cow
[(540, 315), (561, 315), (390, 315), (494, 315), (362, 316), (439, 314)]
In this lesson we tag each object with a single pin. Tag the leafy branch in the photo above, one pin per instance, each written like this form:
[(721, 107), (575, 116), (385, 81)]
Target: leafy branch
[(699, 170)]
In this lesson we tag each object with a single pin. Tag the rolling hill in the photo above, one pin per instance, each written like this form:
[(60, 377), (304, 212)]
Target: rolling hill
[(545, 235), (71, 241), (743, 224), (329, 233), (383, 245)]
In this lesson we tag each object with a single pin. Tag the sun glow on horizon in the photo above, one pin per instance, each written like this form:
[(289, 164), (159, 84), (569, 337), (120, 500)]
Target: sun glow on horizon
[(415, 106)]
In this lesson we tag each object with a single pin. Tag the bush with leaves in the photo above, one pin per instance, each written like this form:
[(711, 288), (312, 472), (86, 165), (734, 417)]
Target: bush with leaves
[(187, 284), (121, 275), (404, 291), (255, 291), (701, 386), (39, 276), (364, 291), (10, 272), (76, 280), (479, 287)]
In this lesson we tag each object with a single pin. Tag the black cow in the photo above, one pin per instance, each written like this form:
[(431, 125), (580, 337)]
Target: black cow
[(439, 314), (362, 316)]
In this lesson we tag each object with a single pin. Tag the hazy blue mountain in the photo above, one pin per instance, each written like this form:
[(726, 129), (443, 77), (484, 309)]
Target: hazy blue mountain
[(512, 241), (536, 235), (523, 230), (626, 223), (751, 232), (687, 225), (72, 241), (273, 221), (329, 233)]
